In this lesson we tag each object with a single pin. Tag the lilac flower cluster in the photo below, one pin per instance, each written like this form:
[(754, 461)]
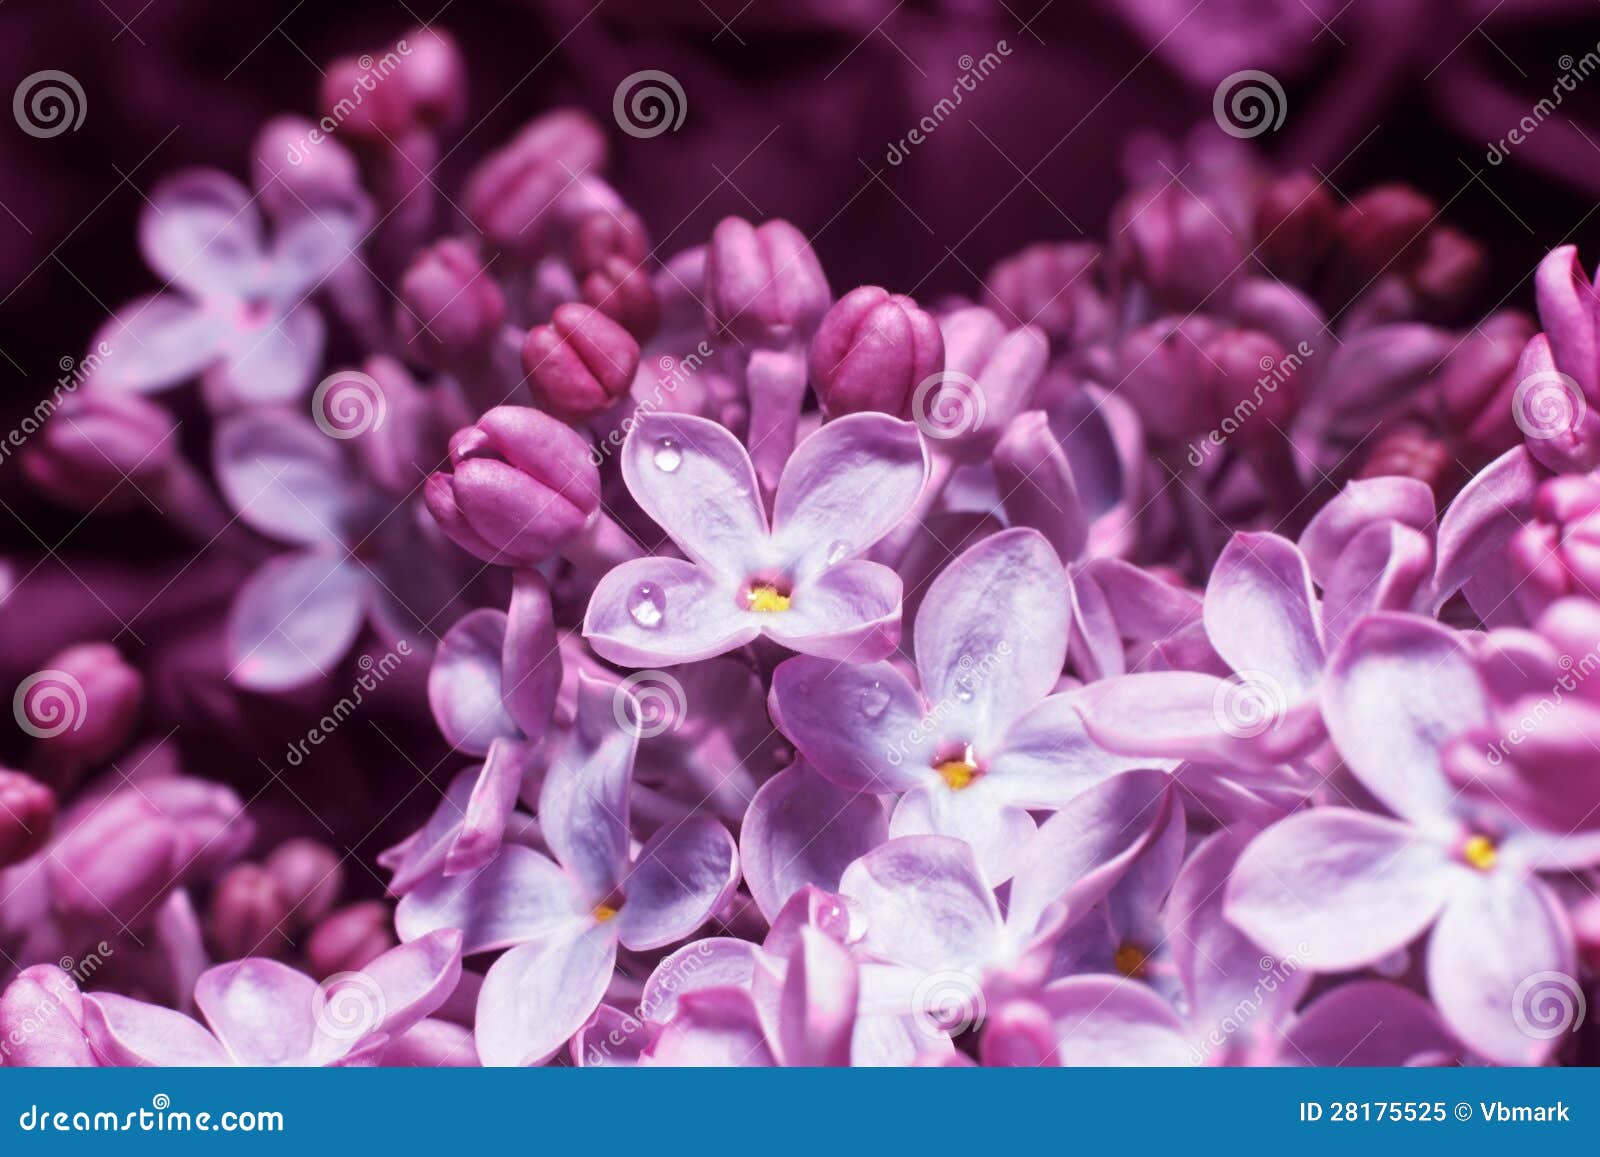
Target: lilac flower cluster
[(1172, 653)]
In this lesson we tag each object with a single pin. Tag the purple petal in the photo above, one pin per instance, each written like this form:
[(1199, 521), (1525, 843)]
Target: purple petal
[(1480, 521), (132, 1034), (519, 896), (800, 829), (859, 724), (991, 636), (1369, 1023), (846, 486), (1048, 758), (1502, 970), (924, 903), (583, 806), (413, 979), (1082, 851), (716, 962), (660, 611), (263, 1012), (817, 1014), (978, 815), (283, 476), (200, 229), (295, 618), (1337, 889), (848, 612), (271, 364), (683, 875), (464, 683), (155, 342), (1037, 486), (717, 1028), (1397, 690), (532, 656), (1261, 613), (540, 993), (41, 1020), (1360, 505), (423, 852), (695, 480), (488, 809), (1105, 1020)]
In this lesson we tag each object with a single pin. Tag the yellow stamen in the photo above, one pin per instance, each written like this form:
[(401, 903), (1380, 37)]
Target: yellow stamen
[(959, 771), (603, 912), (766, 598), (1130, 960), (1480, 852)]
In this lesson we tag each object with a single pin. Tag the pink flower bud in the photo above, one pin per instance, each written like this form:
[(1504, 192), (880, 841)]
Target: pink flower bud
[(1167, 378), (298, 166), (434, 76), (871, 352), (1557, 553), (1409, 451), (1176, 243), (1471, 396), (41, 1021), (522, 484), (580, 363), (350, 939), (1569, 311), (512, 194), (623, 291), (100, 693), (451, 310), (1295, 220), (1055, 287), (27, 814), (1258, 388), (1381, 230), (101, 448), (309, 877), (1450, 267), (600, 236), (364, 103), (247, 915), (764, 285)]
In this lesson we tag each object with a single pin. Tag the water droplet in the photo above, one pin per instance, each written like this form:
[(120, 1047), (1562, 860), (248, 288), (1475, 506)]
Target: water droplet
[(837, 552), (649, 606), (873, 700), (964, 690), (668, 456)]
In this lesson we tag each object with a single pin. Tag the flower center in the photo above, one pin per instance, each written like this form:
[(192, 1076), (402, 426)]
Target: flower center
[(958, 769), (766, 596), (1130, 960), (604, 912), (1480, 852)]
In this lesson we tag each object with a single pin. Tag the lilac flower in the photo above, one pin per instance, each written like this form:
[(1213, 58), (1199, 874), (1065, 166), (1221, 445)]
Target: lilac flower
[(300, 612), (800, 583), (563, 919), (1354, 886), (260, 1012), (240, 316), (984, 740)]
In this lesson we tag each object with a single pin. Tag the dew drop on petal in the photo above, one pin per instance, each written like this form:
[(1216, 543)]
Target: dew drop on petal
[(873, 700), (964, 690), (837, 552), (648, 606), (668, 456)]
